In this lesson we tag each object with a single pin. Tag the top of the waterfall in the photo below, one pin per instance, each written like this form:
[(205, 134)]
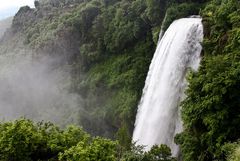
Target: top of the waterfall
[(195, 16), (187, 21)]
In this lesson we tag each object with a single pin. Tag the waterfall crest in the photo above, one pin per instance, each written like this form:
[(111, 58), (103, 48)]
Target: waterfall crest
[(158, 117)]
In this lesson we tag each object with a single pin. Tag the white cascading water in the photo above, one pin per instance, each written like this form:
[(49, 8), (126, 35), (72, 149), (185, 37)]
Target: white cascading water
[(158, 118)]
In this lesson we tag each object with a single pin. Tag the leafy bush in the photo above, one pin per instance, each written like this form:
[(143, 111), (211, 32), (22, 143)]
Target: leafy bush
[(157, 153), (211, 109), (235, 156), (98, 149), (23, 140)]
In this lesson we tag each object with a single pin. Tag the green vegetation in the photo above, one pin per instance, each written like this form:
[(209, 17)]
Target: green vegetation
[(211, 109), (108, 45), (177, 11), (23, 140), (235, 153), (114, 42)]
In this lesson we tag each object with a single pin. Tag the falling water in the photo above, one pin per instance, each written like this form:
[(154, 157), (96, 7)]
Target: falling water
[(158, 118)]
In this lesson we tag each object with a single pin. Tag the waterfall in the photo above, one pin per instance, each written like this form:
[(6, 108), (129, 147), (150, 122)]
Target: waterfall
[(158, 118)]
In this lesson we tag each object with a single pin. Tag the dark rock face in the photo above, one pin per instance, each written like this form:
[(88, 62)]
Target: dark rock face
[(25, 16)]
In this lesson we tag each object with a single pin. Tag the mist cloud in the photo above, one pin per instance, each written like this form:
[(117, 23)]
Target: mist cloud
[(36, 90)]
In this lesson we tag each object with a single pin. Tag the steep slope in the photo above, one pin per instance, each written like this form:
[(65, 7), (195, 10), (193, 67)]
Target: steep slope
[(211, 109), (101, 44), (107, 45)]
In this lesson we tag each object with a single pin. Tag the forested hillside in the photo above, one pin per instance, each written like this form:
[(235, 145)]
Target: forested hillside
[(107, 45)]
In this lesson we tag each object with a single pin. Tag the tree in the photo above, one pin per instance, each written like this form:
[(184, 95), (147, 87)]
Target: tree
[(98, 149), (212, 107), (235, 156), (23, 140), (157, 153)]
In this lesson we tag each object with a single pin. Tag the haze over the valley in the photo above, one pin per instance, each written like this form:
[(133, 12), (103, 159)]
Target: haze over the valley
[(5, 24)]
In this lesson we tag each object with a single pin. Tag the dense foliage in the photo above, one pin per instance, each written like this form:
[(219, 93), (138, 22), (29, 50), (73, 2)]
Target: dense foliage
[(108, 45), (211, 109), (234, 152), (23, 140)]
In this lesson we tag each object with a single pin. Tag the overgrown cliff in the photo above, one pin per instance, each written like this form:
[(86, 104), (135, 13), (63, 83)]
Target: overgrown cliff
[(108, 46)]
